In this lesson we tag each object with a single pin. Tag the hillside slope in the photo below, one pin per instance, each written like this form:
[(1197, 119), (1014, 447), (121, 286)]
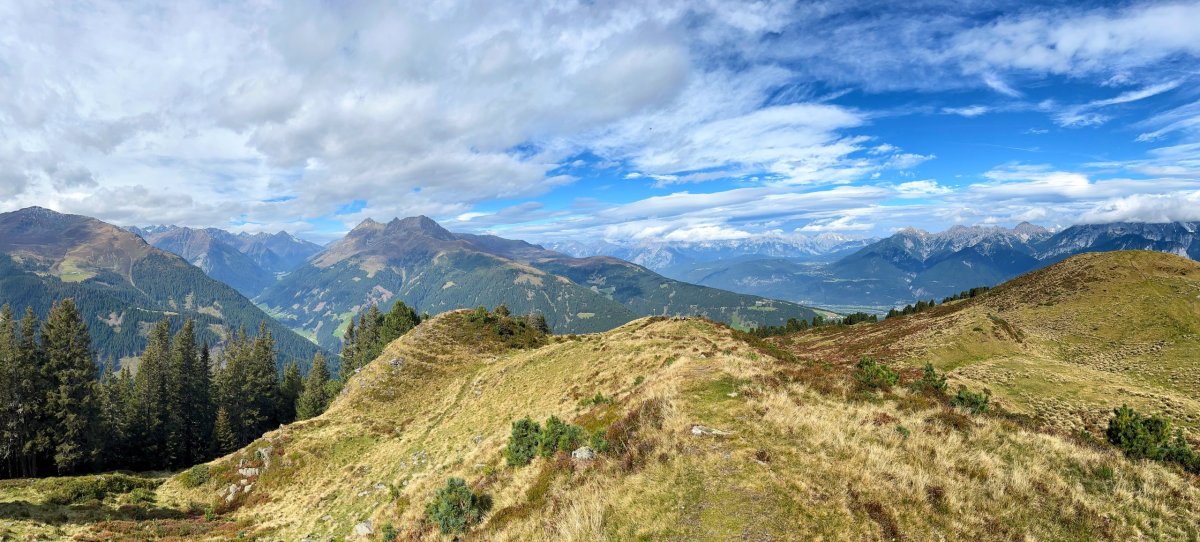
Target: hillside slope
[(1061, 344), (216, 257), (720, 440), (913, 264), (121, 284)]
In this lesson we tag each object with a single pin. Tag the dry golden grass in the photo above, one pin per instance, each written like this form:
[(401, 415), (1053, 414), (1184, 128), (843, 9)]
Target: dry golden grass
[(794, 464), (1065, 345)]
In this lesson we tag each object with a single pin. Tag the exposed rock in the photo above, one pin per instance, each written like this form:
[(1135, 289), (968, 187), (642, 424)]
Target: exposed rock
[(702, 431), (584, 453), (363, 529), (249, 471), (264, 454)]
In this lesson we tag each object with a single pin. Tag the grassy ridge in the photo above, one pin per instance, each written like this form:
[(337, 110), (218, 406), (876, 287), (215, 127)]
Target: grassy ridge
[(791, 457)]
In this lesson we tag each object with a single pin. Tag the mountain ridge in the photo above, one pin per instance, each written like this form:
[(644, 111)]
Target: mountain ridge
[(417, 260), (121, 283)]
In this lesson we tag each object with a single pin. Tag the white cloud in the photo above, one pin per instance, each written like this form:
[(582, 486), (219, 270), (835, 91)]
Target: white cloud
[(967, 111)]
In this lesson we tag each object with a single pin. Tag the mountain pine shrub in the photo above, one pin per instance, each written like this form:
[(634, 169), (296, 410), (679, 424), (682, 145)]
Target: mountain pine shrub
[(930, 382), (559, 436), (975, 402), (455, 508), (874, 375), (523, 442)]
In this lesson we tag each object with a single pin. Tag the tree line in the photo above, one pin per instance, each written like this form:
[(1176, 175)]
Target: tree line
[(794, 325), (62, 413)]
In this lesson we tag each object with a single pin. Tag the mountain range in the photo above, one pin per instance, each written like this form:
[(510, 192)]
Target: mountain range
[(430, 268), (121, 284), (914, 264), (668, 256), (248, 262)]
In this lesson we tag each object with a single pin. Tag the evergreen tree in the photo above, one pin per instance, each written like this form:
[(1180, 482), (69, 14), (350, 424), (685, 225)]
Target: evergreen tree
[(313, 399), (198, 401), (349, 340), (290, 386), (152, 398), (10, 449), (72, 398), (31, 432), (224, 439), (177, 417)]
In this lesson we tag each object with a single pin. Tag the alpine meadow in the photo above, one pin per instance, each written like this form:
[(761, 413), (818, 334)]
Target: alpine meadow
[(673, 270)]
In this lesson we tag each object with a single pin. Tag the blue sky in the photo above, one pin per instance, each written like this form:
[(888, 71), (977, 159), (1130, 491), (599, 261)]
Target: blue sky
[(619, 121)]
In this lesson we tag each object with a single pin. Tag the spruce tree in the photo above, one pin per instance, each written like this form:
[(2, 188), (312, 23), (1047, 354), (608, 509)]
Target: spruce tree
[(224, 440), (32, 431), (290, 386), (313, 399), (349, 339), (199, 401), (9, 403), (152, 397), (72, 399)]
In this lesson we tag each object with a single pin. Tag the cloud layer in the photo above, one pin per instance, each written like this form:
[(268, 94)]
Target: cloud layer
[(582, 119)]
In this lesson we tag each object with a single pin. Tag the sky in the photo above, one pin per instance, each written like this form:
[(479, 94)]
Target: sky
[(602, 120)]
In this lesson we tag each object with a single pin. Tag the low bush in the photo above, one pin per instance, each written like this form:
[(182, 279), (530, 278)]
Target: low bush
[(1149, 437), (195, 476), (523, 443), (559, 436), (930, 382), (975, 402), (455, 508), (874, 375), (62, 491)]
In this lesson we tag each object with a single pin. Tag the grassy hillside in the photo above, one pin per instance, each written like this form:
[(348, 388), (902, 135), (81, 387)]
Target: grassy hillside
[(1062, 344), (712, 436), (785, 456)]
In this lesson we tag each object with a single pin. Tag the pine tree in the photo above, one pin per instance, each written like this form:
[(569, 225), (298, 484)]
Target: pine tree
[(32, 432), (313, 399), (199, 404), (224, 440), (9, 401), (178, 376), (290, 387), (72, 398), (152, 398), (349, 340)]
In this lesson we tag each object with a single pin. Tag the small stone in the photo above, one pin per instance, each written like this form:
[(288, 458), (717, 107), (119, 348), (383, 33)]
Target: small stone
[(363, 529), (584, 453), (249, 472)]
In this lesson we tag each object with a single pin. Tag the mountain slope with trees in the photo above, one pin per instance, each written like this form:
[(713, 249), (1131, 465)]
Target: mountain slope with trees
[(912, 264), (434, 270), (121, 284)]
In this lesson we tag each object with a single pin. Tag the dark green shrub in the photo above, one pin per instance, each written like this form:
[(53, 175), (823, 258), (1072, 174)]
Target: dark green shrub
[(195, 476), (559, 435), (88, 488), (523, 442), (930, 382), (388, 533), (874, 375), (1140, 437), (975, 402), (597, 442), (455, 509), (1149, 437)]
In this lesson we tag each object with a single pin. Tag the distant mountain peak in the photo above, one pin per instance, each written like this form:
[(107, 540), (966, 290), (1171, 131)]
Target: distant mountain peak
[(419, 225)]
